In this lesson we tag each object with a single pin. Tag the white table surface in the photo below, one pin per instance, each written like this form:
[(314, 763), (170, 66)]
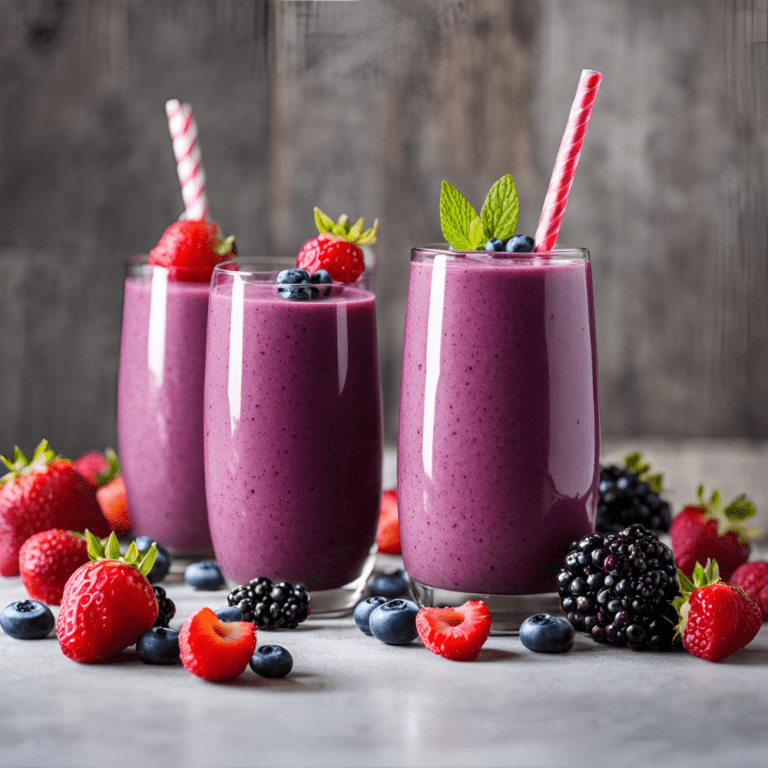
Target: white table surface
[(352, 701)]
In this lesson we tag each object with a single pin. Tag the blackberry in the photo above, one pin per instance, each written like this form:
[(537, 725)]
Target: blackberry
[(631, 495), (271, 606), (618, 588), (167, 608)]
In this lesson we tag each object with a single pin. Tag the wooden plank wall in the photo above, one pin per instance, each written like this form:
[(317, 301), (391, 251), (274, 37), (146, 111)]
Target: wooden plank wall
[(364, 107)]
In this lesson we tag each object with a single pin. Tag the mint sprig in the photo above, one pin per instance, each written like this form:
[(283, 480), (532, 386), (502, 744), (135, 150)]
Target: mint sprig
[(464, 229)]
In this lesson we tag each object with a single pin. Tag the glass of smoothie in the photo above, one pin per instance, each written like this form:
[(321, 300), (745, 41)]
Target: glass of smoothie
[(160, 405), (498, 438), (293, 430)]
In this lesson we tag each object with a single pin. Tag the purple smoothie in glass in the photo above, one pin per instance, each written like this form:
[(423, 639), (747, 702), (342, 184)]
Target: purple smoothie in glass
[(160, 406), (499, 434), (292, 431)]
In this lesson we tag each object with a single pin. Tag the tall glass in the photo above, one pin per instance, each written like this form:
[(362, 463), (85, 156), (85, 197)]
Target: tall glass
[(160, 406), (498, 439), (293, 432)]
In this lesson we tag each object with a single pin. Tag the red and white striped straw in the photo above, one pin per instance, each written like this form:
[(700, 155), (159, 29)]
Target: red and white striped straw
[(567, 160), (181, 124)]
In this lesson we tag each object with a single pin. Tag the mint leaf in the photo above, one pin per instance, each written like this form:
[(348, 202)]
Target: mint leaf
[(456, 217), (501, 209), (476, 234)]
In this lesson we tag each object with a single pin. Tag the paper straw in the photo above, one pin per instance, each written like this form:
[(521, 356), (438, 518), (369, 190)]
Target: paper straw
[(181, 124), (567, 160)]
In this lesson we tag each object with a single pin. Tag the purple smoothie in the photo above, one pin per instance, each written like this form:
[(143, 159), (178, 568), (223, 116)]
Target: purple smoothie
[(160, 407), (292, 433), (499, 435)]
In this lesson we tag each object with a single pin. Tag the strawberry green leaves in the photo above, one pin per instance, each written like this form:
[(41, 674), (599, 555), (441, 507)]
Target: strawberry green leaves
[(341, 228), (110, 550), (20, 465), (464, 229), (730, 517), (635, 463)]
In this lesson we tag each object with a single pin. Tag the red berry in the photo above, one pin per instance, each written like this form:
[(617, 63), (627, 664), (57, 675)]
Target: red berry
[(41, 494), (114, 505), (91, 464), (107, 605), (191, 249), (753, 579), (47, 560), (342, 259), (216, 650), (388, 533), (456, 633), (709, 531)]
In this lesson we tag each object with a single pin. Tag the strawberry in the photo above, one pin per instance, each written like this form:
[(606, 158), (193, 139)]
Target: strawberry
[(90, 464), (190, 250), (213, 649), (708, 530), (388, 533), (336, 249), (111, 495), (716, 619), (753, 579), (456, 633), (37, 495), (108, 603), (47, 560)]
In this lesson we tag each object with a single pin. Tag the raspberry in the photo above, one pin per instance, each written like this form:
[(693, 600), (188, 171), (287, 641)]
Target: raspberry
[(213, 649), (753, 579), (456, 633)]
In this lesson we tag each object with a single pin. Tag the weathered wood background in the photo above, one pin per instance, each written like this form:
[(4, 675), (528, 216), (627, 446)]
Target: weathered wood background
[(364, 107)]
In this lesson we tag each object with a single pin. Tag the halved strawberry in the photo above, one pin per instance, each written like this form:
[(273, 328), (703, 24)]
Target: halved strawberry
[(388, 533), (336, 248), (456, 633), (216, 650)]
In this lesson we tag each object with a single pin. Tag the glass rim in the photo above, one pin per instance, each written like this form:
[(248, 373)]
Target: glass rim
[(563, 254), (234, 268)]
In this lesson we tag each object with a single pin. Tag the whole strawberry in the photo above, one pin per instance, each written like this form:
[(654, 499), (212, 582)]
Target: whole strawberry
[(47, 560), (388, 532), (753, 579), (107, 603), (90, 465), (709, 531), (190, 250), (111, 495), (336, 249), (715, 619), (46, 492)]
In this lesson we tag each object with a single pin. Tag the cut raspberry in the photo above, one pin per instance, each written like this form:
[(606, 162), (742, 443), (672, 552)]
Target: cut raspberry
[(388, 533), (456, 633), (216, 650), (191, 249), (340, 258), (753, 579)]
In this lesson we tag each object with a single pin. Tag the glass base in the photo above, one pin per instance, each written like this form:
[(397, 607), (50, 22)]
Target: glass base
[(335, 603), (507, 611)]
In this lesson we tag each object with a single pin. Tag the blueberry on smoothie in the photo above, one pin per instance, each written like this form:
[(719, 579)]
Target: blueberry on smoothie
[(494, 244), (27, 620), (519, 244), (296, 278)]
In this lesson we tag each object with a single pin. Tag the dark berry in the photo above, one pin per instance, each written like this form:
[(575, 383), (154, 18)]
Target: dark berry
[(158, 645), (519, 244), (229, 613), (206, 575), (271, 661), (394, 622), (494, 244), (298, 278), (547, 634), (162, 563), (364, 609), (166, 606), (390, 585), (622, 590), (271, 606), (27, 620)]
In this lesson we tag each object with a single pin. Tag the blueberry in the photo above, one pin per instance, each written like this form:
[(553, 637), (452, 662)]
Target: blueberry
[(494, 244), (390, 585), (546, 634), (364, 609), (205, 575), (296, 277), (519, 244), (230, 613), (271, 661), (394, 622), (162, 563), (158, 645), (322, 276), (27, 620)]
